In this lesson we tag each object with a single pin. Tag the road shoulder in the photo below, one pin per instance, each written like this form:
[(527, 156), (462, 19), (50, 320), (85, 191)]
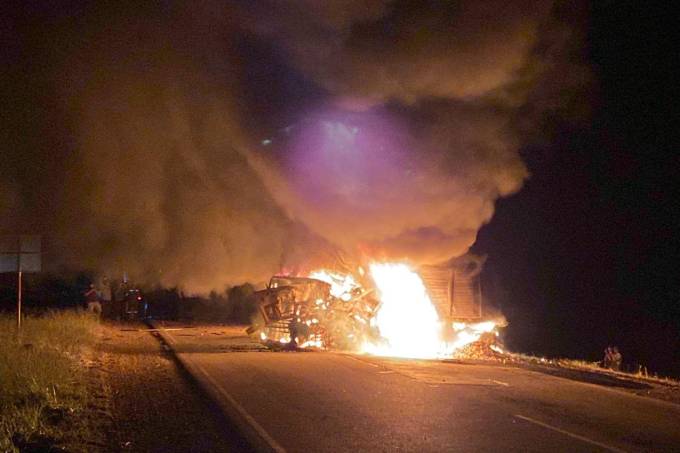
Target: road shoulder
[(150, 403)]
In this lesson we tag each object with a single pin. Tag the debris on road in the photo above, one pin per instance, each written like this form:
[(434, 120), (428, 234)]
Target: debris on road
[(331, 310), (307, 312)]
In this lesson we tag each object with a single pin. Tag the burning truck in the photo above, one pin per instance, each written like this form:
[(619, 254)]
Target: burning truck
[(324, 310), (389, 310)]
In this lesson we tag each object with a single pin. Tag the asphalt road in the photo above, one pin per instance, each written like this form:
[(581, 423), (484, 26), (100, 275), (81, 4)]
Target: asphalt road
[(317, 401)]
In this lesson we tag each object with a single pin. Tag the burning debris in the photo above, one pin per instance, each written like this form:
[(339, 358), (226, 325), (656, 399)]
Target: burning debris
[(389, 314), (313, 312)]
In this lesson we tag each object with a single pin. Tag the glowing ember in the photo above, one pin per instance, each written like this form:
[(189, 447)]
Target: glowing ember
[(341, 285), (469, 333)]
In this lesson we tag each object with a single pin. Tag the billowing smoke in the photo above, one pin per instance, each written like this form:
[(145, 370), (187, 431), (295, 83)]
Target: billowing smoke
[(414, 171), (212, 144), (404, 50)]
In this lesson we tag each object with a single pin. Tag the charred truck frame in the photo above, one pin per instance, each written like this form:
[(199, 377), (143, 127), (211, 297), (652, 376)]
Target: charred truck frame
[(301, 311)]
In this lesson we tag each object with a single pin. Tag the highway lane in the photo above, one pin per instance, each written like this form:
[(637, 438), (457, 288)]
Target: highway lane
[(316, 401)]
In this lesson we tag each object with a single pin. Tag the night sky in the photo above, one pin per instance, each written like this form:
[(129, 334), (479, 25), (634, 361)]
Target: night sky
[(133, 135), (586, 254)]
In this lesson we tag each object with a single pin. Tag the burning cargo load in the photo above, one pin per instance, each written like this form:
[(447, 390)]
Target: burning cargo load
[(391, 310), (303, 311)]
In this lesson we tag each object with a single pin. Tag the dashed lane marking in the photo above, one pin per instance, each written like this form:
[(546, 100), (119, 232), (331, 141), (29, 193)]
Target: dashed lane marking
[(570, 434)]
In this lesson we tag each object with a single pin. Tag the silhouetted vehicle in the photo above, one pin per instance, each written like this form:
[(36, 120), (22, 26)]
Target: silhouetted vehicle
[(134, 305)]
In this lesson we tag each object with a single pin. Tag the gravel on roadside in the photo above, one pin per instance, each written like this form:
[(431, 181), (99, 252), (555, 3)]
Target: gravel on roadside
[(146, 403)]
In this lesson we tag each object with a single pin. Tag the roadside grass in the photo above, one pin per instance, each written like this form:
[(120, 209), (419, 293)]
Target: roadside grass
[(41, 382), (641, 373), (594, 367)]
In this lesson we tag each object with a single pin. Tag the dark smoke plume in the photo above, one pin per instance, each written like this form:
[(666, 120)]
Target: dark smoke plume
[(448, 85), (185, 144)]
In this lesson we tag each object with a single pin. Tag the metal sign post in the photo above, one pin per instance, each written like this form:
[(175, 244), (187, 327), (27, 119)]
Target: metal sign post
[(20, 253), (19, 301)]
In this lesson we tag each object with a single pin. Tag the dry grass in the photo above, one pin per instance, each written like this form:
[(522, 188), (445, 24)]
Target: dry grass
[(583, 365), (41, 382)]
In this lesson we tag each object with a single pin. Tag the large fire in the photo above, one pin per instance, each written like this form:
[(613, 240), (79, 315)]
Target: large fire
[(341, 285), (402, 322), (408, 321)]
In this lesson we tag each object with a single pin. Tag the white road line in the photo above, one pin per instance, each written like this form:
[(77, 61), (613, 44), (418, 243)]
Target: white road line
[(567, 433), (500, 382), (273, 444)]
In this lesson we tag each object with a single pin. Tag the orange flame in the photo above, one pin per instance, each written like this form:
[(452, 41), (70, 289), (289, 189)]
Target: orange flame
[(408, 321), (341, 285)]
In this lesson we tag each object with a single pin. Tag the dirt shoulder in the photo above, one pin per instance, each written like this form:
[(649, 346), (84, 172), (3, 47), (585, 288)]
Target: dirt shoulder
[(146, 402)]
